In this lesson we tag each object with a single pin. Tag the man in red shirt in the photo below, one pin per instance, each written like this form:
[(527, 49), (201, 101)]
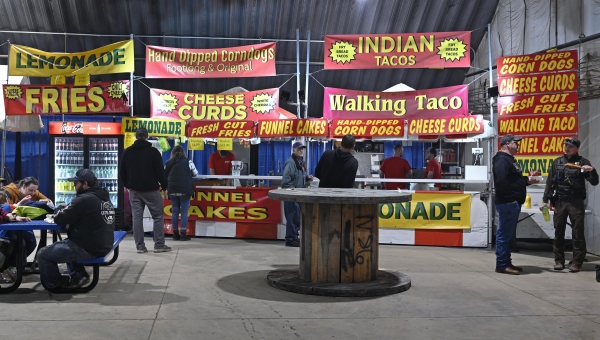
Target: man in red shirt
[(219, 162), (433, 169), (395, 167)]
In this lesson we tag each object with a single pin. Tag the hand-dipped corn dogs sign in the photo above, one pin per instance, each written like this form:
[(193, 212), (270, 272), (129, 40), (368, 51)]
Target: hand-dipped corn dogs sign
[(537, 63), (433, 103), (96, 98), (242, 61), (292, 128), (410, 50), (113, 58), (220, 129), (361, 128), (251, 105)]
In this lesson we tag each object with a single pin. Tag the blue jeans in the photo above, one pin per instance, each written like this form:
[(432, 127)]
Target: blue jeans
[(63, 251), (292, 221), (29, 240), (508, 215), (180, 204)]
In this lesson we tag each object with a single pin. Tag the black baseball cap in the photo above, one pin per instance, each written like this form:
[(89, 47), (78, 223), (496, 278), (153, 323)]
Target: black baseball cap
[(84, 175), (573, 141), (141, 133), (509, 138)]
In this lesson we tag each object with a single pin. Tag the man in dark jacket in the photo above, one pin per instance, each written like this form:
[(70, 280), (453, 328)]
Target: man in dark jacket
[(566, 187), (510, 185), (89, 220), (337, 168), (143, 175)]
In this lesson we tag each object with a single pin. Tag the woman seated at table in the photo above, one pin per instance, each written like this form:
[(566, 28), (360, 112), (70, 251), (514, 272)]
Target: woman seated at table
[(24, 191), (8, 238)]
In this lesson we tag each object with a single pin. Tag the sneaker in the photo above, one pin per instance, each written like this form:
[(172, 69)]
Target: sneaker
[(162, 249), (184, 238), (7, 277), (78, 280), (176, 237), (142, 250), (294, 243)]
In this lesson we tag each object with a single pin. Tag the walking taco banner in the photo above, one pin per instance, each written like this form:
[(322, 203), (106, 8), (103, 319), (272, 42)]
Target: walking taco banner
[(428, 211), (100, 97), (546, 124), (410, 50), (434, 103), (113, 58), (251, 105), (243, 61), (155, 127)]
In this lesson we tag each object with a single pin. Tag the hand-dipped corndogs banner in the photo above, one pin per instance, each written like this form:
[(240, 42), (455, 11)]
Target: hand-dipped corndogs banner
[(434, 103), (410, 50), (113, 58), (96, 98), (233, 62), (251, 105)]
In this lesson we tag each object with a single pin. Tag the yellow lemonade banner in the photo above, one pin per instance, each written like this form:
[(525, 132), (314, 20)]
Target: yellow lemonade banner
[(113, 58), (535, 163), (428, 211), (155, 127)]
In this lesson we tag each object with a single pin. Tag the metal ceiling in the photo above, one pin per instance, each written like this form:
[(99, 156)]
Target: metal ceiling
[(225, 23)]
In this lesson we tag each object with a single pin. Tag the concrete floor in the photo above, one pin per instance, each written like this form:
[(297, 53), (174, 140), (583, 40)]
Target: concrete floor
[(217, 289)]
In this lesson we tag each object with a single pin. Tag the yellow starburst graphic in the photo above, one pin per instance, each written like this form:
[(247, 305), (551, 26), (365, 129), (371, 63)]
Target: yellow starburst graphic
[(262, 103), (12, 92), (166, 102), (452, 49), (117, 90), (342, 52)]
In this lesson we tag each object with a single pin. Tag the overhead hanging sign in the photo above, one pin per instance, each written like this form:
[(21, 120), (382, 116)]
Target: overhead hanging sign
[(541, 145), (439, 102), (546, 103), (113, 58), (361, 128), (292, 128), (537, 63), (233, 62), (409, 50), (546, 124), (155, 127), (251, 105), (96, 98), (447, 126), (220, 129), (538, 83)]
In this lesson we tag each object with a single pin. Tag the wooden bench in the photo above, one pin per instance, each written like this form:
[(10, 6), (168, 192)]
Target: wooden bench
[(96, 263)]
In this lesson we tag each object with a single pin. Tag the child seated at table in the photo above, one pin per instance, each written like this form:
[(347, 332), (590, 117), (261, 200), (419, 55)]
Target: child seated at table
[(8, 238)]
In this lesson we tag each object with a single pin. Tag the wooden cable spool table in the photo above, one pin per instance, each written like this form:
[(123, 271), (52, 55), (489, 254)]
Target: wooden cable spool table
[(339, 243)]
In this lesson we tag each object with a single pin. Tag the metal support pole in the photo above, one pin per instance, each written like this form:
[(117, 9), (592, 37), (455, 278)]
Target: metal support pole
[(5, 117), (491, 144), (131, 88), (298, 72), (307, 151)]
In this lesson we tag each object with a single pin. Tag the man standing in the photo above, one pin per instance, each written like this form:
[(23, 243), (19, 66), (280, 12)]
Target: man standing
[(565, 187), (511, 190), (395, 167), (337, 168), (294, 176), (433, 170), (90, 221), (219, 162), (143, 175)]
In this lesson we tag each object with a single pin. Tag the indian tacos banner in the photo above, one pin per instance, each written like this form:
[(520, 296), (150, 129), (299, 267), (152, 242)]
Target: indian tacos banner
[(547, 124), (410, 50), (434, 103), (428, 211), (537, 63), (251, 105), (113, 58), (96, 98), (362, 128), (547, 103), (155, 127), (243, 61), (250, 205), (541, 145), (292, 128), (446, 126), (220, 129)]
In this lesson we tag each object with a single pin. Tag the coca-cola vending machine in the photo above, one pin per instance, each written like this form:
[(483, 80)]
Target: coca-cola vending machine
[(95, 146)]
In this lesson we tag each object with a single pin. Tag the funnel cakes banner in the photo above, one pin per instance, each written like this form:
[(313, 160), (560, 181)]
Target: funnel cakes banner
[(292, 128), (410, 50), (251, 105), (234, 62), (439, 102), (220, 129)]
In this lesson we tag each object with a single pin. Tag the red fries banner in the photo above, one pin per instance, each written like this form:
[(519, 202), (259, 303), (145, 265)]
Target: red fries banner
[(410, 50), (541, 145), (547, 124), (446, 126), (361, 128), (547, 103), (96, 98), (234, 62), (537, 63), (292, 128), (440, 102), (220, 129), (538, 83), (251, 105)]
